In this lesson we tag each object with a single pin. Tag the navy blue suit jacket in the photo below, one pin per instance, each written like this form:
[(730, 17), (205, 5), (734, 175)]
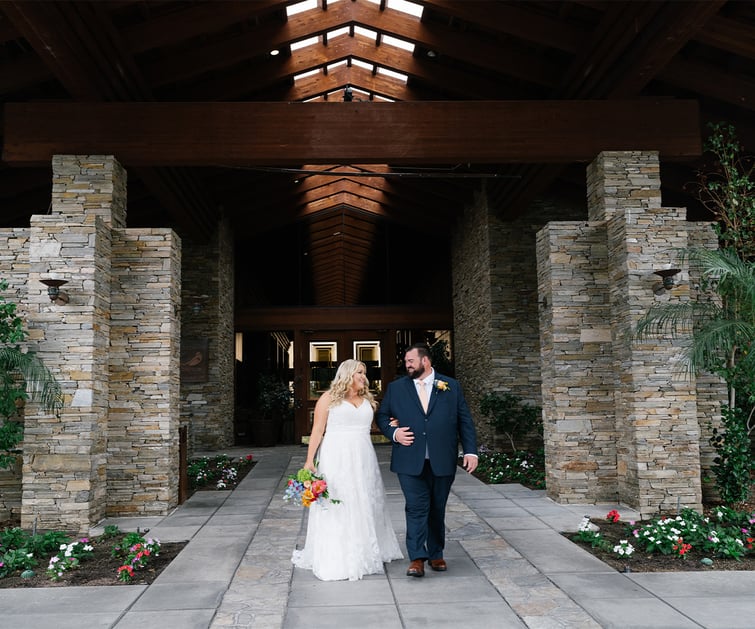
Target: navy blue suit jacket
[(446, 422)]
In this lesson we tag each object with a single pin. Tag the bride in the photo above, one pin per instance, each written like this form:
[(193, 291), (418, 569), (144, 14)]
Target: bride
[(354, 537)]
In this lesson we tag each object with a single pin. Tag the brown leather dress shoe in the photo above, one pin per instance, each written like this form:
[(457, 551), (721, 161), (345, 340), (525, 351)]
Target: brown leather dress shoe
[(439, 565), (416, 568)]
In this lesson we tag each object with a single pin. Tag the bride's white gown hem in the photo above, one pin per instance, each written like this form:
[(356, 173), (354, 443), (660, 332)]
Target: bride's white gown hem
[(353, 538)]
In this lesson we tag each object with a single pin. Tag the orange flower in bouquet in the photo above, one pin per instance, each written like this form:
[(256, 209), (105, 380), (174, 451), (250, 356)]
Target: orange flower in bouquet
[(306, 488)]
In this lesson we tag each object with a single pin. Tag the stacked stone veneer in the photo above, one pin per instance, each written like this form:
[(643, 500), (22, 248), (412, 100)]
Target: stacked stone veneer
[(114, 348), (495, 304), (14, 267), (208, 272), (621, 423), (142, 447)]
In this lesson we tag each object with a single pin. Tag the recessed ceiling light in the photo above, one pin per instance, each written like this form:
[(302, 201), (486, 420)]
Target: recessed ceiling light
[(432, 54), (275, 52)]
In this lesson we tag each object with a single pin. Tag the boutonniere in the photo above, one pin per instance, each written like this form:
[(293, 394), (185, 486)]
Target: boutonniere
[(441, 385)]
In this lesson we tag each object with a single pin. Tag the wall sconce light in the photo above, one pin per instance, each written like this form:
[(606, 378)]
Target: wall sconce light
[(667, 277), (197, 304), (56, 295)]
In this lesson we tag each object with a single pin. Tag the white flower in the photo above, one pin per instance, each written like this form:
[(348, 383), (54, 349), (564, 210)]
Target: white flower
[(623, 548)]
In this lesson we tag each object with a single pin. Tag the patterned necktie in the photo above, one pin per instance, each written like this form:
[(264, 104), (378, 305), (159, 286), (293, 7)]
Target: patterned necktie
[(423, 395)]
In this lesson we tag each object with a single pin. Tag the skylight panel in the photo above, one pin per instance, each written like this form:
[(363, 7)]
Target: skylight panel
[(406, 7), (338, 32), (361, 64), (335, 65), (300, 7), (304, 75), (394, 75), (398, 43), (366, 32), (412, 8), (311, 41)]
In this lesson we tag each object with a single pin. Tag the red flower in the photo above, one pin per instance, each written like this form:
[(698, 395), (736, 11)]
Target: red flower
[(613, 516), (682, 547)]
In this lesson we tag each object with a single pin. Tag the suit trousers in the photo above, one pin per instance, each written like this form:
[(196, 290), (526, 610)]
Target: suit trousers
[(425, 499)]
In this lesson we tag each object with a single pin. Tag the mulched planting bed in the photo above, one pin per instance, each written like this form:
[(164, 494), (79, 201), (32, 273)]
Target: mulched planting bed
[(657, 562)]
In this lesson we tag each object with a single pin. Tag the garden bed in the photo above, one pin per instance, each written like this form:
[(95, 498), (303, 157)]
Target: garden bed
[(706, 552), (100, 566)]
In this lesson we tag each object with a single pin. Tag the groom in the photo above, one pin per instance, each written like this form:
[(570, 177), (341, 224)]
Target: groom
[(425, 415)]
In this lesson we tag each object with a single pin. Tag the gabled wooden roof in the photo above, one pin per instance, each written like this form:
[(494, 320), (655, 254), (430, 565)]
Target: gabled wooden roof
[(306, 235)]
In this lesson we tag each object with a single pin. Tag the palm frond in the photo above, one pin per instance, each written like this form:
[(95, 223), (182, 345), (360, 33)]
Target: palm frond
[(40, 383), (675, 319)]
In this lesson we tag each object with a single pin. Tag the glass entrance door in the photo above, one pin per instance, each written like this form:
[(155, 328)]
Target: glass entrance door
[(319, 355)]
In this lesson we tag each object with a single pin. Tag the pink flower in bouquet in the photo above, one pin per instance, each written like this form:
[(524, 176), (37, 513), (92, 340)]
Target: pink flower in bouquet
[(306, 488)]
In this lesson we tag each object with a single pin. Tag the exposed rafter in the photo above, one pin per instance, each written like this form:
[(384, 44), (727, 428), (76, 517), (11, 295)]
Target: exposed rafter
[(85, 52)]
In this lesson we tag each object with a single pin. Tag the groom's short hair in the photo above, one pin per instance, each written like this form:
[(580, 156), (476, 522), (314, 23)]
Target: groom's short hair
[(423, 350)]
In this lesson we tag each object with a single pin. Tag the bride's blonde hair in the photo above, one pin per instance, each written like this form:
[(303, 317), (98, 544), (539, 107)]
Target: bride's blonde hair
[(342, 383)]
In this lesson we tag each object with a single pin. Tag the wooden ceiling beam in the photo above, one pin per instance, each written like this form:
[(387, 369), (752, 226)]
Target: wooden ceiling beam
[(728, 34), (616, 63), (80, 45), (279, 70), (217, 134), (185, 65), (257, 42), (658, 44), (174, 27), (735, 89), (369, 318), (513, 19), (355, 76)]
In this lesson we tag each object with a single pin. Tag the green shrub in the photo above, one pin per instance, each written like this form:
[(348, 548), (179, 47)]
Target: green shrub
[(733, 465), (510, 415), (525, 468)]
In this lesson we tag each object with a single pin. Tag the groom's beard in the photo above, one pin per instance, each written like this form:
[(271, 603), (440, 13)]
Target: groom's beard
[(417, 373)]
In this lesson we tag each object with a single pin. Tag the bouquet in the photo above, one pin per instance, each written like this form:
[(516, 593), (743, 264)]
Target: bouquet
[(306, 488)]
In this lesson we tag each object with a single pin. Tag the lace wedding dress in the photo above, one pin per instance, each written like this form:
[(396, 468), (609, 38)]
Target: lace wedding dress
[(352, 538)]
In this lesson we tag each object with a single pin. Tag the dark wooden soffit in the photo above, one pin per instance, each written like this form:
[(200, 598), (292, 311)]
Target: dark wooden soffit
[(216, 134), (367, 318)]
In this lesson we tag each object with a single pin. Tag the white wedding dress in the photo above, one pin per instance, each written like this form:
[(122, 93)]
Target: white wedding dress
[(352, 538)]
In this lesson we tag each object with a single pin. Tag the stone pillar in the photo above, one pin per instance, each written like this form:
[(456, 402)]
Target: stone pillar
[(472, 308), (578, 380), (495, 304), (207, 316), (64, 469), (657, 430), (143, 457)]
